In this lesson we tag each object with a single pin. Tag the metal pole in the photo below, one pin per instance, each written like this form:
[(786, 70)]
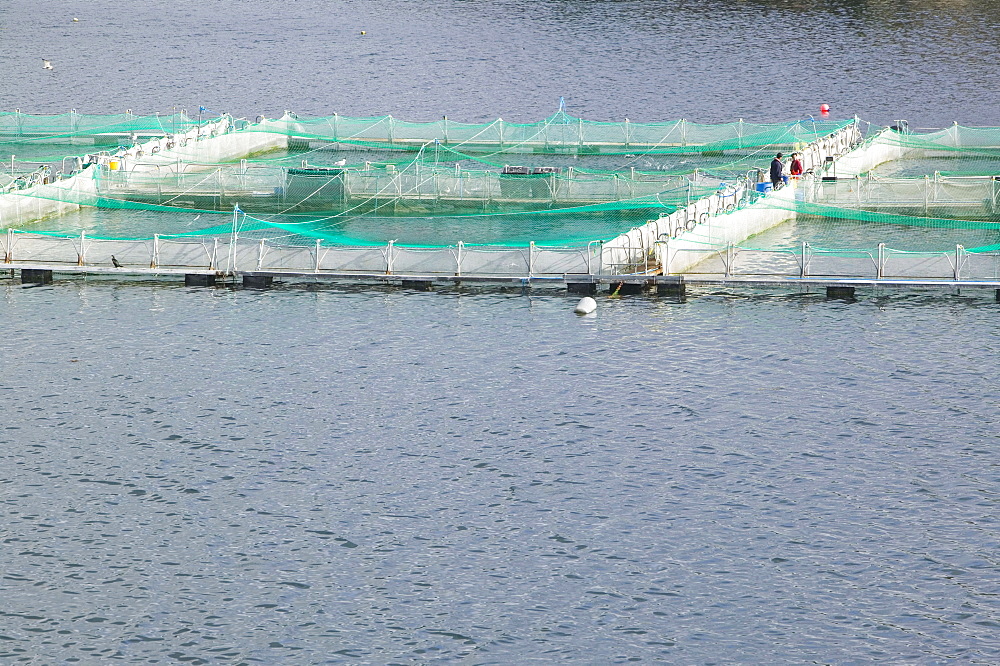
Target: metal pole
[(233, 237)]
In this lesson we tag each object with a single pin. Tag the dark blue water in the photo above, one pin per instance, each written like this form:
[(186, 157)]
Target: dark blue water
[(648, 60), (324, 476), (336, 475)]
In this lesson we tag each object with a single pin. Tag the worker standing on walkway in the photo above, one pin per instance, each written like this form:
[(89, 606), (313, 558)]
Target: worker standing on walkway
[(796, 166), (777, 168)]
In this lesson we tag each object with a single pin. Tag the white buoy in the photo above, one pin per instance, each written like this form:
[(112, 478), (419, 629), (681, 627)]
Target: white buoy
[(586, 305), (46, 64)]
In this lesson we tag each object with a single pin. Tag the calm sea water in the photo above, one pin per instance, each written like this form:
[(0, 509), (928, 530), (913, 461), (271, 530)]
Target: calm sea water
[(338, 475), (648, 60)]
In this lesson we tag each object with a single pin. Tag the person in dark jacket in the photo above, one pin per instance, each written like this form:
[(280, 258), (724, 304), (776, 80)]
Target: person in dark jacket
[(777, 167)]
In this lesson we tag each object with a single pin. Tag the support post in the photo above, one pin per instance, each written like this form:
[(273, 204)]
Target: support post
[(583, 285), (36, 276), (672, 285), (199, 280), (154, 261), (840, 292), (257, 281), (627, 287)]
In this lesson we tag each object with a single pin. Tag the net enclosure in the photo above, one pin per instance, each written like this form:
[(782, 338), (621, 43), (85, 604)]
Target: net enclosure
[(560, 182), (363, 181)]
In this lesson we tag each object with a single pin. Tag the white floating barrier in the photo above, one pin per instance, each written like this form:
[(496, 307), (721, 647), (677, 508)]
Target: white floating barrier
[(586, 305)]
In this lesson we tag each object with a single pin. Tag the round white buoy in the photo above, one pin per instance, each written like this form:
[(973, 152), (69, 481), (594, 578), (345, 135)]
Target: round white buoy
[(585, 306)]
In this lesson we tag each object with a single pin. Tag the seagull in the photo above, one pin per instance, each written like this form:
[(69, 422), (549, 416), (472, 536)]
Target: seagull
[(116, 263), (46, 64), (340, 162)]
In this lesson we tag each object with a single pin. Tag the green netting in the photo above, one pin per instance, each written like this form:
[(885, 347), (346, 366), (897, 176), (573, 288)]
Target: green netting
[(933, 190), (956, 151), (566, 226), (558, 134), (561, 181), (22, 128), (850, 229)]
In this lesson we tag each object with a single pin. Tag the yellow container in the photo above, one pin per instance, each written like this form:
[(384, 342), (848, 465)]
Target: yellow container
[(113, 165)]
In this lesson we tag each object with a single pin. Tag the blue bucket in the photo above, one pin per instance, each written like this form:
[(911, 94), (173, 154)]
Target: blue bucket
[(764, 187)]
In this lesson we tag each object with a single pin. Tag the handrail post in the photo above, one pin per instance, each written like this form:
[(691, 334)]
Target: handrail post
[(318, 243), (879, 268), (155, 259), (81, 256)]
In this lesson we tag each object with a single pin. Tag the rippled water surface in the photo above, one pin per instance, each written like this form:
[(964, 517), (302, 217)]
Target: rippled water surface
[(649, 60), (325, 475), (320, 474)]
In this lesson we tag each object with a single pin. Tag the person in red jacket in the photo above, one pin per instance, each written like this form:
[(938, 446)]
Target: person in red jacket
[(796, 166)]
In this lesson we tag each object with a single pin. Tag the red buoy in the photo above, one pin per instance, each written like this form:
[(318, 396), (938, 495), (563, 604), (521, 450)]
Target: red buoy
[(824, 109)]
